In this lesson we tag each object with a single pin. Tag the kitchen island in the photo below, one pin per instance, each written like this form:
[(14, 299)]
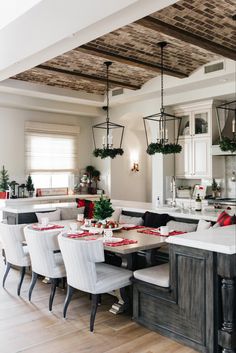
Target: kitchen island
[(199, 306)]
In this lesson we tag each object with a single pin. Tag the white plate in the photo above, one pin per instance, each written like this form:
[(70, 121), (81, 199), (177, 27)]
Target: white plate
[(128, 225), (112, 240), (99, 230)]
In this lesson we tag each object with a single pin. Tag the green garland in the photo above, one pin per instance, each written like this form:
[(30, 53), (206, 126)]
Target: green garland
[(226, 144), (164, 149), (107, 152)]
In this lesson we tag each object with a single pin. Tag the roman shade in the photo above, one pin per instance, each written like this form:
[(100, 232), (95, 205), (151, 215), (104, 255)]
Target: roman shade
[(51, 147)]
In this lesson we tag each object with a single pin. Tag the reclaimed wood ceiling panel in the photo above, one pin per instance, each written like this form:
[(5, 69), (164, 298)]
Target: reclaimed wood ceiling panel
[(196, 31)]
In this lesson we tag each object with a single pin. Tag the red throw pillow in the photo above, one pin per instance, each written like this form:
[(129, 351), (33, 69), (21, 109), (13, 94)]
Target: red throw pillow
[(89, 207), (224, 219)]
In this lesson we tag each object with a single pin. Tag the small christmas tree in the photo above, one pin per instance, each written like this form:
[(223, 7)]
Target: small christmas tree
[(29, 184), (102, 209), (4, 179)]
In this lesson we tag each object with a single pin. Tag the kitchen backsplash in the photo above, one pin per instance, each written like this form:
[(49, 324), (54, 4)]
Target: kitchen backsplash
[(230, 167)]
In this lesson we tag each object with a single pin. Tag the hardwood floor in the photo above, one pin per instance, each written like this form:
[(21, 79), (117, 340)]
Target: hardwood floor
[(31, 328)]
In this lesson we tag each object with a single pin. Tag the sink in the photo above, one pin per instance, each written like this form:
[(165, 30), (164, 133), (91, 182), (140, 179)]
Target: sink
[(167, 208)]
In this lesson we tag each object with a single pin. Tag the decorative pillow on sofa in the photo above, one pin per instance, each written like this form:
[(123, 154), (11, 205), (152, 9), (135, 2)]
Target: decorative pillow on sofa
[(89, 207), (182, 226), (71, 213), (203, 225), (116, 214), (224, 219), (155, 220), (138, 221), (52, 216)]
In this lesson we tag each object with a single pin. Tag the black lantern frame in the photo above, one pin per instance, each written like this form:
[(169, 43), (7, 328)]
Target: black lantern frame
[(162, 118), (107, 149), (226, 142)]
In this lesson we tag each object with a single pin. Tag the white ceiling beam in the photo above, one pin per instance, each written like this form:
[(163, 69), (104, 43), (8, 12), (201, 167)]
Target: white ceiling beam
[(53, 27)]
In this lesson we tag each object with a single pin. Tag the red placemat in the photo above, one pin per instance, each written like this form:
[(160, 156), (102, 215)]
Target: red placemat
[(122, 242), (51, 227), (79, 235), (155, 232), (134, 227)]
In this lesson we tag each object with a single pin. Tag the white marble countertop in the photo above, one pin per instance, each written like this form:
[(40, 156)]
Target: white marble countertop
[(222, 239), (134, 206), (39, 207), (47, 199)]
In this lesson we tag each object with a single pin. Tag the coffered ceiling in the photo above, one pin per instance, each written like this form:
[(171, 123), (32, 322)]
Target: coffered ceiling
[(196, 31)]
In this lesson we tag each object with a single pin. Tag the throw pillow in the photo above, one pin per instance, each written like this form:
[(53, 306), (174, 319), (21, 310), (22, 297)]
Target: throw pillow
[(203, 225), (224, 219), (182, 226), (155, 220), (137, 221), (52, 216), (116, 214), (71, 213), (89, 207)]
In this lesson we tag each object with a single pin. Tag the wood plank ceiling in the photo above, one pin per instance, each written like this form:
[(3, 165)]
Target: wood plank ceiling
[(197, 31)]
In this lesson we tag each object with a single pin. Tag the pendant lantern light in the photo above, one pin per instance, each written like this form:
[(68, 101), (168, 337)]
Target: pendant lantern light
[(226, 114), (160, 124), (107, 139)]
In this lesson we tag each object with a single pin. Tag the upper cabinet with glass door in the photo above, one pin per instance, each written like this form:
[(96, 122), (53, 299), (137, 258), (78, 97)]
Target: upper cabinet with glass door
[(200, 123), (185, 126)]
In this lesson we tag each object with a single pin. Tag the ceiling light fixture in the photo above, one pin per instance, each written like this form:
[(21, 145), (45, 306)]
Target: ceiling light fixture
[(108, 139), (162, 122)]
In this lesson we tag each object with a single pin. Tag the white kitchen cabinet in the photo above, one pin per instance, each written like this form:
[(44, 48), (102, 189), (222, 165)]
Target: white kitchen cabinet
[(201, 157), (195, 159), (183, 160)]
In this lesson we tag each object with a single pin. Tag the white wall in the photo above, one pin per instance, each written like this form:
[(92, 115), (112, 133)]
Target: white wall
[(12, 137)]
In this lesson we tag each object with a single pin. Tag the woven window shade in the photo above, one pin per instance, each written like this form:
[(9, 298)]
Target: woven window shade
[(51, 148)]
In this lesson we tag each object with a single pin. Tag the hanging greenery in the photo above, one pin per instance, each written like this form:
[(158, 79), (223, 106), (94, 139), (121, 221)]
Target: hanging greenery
[(107, 152), (102, 209), (164, 149), (226, 144)]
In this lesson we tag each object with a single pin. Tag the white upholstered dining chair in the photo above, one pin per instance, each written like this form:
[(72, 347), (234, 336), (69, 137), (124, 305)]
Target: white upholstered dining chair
[(46, 260), (86, 272), (12, 237)]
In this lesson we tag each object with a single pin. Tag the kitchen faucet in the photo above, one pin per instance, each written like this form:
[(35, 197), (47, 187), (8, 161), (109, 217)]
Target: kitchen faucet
[(173, 190)]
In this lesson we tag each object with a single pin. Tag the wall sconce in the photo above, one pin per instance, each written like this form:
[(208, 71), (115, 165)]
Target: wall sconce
[(135, 167)]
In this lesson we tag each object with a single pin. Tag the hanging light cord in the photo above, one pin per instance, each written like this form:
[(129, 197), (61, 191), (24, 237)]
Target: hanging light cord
[(107, 69), (162, 79)]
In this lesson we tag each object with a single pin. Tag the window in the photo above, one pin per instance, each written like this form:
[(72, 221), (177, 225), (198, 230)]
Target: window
[(51, 153)]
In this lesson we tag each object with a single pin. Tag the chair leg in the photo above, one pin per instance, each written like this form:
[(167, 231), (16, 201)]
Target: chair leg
[(8, 266), (95, 299), (70, 291), (32, 284), (22, 275), (54, 285)]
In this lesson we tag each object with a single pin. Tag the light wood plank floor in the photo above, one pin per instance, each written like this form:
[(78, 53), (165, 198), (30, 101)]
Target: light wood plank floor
[(31, 328)]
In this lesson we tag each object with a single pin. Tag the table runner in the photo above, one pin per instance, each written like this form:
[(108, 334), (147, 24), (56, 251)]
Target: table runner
[(155, 232), (131, 228), (122, 242)]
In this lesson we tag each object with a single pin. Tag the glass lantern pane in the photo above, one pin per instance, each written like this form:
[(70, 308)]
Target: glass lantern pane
[(185, 126), (200, 123)]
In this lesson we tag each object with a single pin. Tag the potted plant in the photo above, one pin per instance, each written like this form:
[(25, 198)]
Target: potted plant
[(93, 175), (214, 188), (30, 186), (4, 183), (102, 209)]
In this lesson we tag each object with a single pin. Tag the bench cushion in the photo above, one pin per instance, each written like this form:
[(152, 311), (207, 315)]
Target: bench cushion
[(157, 275), (182, 226)]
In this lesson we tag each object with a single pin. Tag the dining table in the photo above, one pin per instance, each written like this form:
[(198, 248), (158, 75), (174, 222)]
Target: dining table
[(140, 242)]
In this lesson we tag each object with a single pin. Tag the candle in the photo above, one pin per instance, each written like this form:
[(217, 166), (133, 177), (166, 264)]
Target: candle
[(233, 125), (110, 139), (166, 134), (103, 140)]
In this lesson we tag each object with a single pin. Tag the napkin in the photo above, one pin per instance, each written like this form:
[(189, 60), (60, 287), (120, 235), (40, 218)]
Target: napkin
[(50, 227)]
